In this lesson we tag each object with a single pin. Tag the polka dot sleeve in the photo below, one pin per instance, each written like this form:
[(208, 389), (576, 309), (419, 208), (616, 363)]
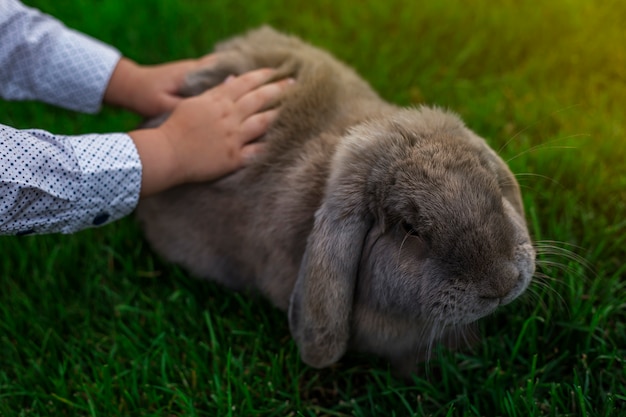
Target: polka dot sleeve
[(41, 59), (64, 184)]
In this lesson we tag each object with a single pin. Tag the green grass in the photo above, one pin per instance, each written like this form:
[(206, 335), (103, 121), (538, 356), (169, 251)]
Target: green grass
[(94, 324)]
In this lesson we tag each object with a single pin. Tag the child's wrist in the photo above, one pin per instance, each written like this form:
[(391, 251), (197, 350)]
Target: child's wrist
[(160, 164), (123, 82)]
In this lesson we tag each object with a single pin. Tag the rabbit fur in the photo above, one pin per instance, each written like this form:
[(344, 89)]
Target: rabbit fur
[(377, 228)]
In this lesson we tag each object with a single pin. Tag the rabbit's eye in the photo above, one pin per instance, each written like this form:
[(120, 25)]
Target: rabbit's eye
[(409, 229)]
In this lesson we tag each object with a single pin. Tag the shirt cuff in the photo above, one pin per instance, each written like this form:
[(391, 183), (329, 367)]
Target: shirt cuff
[(110, 179)]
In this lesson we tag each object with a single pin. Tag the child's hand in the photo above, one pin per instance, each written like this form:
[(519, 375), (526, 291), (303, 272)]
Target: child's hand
[(150, 90), (209, 135)]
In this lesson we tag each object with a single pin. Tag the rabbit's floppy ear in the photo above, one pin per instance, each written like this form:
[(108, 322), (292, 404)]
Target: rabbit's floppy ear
[(321, 302)]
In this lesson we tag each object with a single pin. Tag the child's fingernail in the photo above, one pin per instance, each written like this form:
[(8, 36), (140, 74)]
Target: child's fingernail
[(229, 79)]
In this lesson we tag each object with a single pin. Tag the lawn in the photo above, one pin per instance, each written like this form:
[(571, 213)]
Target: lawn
[(94, 324)]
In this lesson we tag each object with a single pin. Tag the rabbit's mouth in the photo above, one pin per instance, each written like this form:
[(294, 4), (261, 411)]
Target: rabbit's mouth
[(464, 304)]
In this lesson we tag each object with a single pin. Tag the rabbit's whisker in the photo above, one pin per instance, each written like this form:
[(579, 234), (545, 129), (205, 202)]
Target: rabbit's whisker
[(543, 146), (533, 175), (535, 124), (406, 236)]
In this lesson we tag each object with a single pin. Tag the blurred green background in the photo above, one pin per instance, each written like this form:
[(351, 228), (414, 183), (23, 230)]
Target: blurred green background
[(95, 324)]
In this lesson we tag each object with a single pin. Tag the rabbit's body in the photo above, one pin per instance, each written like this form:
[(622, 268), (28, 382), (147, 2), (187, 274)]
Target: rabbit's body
[(377, 227)]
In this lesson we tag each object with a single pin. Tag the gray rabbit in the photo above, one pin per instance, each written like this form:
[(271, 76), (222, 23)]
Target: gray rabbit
[(378, 228)]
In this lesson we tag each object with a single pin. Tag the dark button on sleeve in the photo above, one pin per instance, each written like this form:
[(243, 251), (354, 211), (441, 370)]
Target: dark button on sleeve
[(100, 219), (25, 232)]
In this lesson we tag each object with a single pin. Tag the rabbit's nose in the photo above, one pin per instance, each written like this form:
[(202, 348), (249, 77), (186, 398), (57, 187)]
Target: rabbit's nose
[(500, 282)]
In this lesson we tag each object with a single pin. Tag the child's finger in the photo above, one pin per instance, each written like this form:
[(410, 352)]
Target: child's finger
[(257, 124), (236, 87), (251, 151), (262, 98)]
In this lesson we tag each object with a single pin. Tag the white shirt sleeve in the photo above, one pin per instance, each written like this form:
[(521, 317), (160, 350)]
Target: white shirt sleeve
[(64, 184), (41, 59)]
